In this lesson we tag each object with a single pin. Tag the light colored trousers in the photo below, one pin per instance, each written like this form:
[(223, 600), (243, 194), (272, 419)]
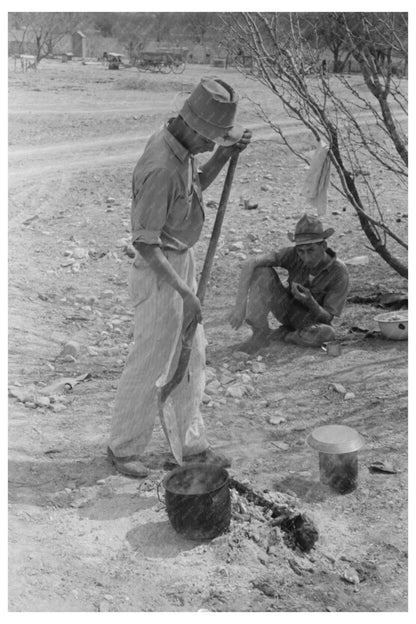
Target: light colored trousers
[(153, 356)]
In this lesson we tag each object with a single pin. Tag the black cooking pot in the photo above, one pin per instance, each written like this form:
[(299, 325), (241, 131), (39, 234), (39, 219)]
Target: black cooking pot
[(197, 499)]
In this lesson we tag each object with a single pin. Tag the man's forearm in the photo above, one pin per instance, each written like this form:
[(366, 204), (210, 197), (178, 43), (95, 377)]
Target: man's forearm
[(213, 166), (319, 312), (162, 267)]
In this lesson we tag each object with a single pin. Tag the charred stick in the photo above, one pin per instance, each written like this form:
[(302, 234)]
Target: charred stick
[(300, 530)]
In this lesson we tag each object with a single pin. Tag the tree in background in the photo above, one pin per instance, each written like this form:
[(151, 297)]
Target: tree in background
[(43, 31), (362, 119)]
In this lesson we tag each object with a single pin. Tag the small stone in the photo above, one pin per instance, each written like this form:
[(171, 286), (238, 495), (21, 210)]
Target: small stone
[(245, 378), (236, 391), (267, 585), (238, 246), (265, 187), (350, 576), (276, 419), (93, 351), (58, 407), (42, 401), (71, 348), (121, 243), (226, 379), (357, 261), (281, 445), (338, 388), (348, 396), (79, 253), (213, 387), (258, 367)]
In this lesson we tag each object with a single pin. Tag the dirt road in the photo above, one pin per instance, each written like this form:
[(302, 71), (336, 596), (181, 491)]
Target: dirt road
[(83, 538)]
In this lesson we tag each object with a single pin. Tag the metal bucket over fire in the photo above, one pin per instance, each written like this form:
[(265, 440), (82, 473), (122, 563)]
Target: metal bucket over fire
[(198, 502)]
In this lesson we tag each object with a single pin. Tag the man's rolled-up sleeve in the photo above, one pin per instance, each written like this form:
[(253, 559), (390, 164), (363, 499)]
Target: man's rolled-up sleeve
[(150, 205)]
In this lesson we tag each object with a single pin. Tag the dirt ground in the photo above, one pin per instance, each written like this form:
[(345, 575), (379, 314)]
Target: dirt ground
[(84, 538)]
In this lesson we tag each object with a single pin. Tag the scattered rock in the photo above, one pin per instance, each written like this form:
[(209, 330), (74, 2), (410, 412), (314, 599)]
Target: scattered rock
[(236, 391), (248, 206), (42, 401), (338, 388), (357, 261), (30, 219), (348, 396), (275, 419), (212, 387), (23, 394), (237, 246), (226, 379), (350, 576), (258, 367), (265, 584), (71, 348), (80, 253)]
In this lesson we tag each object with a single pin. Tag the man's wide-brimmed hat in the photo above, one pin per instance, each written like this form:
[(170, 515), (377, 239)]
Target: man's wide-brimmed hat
[(309, 229), (210, 110)]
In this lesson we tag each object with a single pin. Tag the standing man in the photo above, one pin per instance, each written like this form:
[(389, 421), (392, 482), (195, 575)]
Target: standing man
[(316, 292), (167, 217)]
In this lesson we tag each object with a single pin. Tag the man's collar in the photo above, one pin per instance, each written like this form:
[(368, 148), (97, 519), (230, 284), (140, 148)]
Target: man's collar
[(177, 148), (332, 257)]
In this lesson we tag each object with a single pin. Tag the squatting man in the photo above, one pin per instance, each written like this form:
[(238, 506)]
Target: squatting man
[(167, 216), (316, 292)]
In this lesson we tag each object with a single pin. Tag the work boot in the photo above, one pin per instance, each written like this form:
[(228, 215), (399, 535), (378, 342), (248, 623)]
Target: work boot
[(209, 457), (260, 339), (280, 333), (130, 466), (311, 336)]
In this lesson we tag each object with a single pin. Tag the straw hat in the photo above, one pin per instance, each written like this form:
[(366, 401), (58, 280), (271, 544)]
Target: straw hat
[(309, 230), (210, 110)]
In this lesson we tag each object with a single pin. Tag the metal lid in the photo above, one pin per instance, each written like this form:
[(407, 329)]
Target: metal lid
[(335, 439)]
